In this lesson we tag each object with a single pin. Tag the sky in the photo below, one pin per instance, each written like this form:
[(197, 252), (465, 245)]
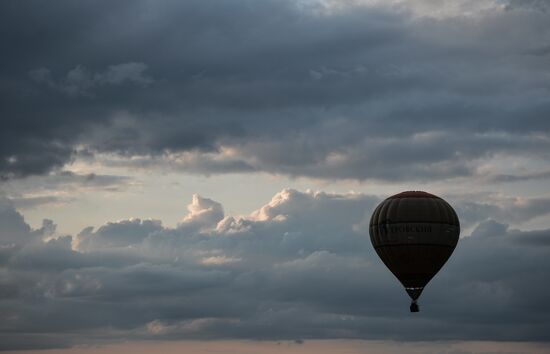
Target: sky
[(199, 175)]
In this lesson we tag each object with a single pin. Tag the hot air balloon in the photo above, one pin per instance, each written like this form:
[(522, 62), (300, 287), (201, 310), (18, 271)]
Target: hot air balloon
[(414, 233)]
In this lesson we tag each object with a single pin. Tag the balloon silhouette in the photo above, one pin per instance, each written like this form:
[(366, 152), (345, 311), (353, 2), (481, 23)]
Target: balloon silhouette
[(414, 233)]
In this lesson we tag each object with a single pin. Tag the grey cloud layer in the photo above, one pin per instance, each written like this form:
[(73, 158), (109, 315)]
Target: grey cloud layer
[(361, 92), (80, 82), (299, 267), (59, 187)]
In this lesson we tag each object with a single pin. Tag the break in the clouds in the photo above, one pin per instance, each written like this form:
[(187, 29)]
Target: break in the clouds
[(300, 267), (355, 90)]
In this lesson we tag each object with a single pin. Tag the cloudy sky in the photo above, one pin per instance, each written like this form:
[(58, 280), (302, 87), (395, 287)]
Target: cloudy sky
[(199, 175)]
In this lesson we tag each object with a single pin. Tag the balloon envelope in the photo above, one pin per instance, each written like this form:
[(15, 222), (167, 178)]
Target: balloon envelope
[(414, 233)]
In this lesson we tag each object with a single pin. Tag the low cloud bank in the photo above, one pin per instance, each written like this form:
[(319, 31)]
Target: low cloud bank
[(300, 267)]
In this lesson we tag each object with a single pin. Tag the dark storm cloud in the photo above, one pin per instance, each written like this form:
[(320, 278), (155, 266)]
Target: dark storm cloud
[(291, 89), (299, 267), (80, 82)]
